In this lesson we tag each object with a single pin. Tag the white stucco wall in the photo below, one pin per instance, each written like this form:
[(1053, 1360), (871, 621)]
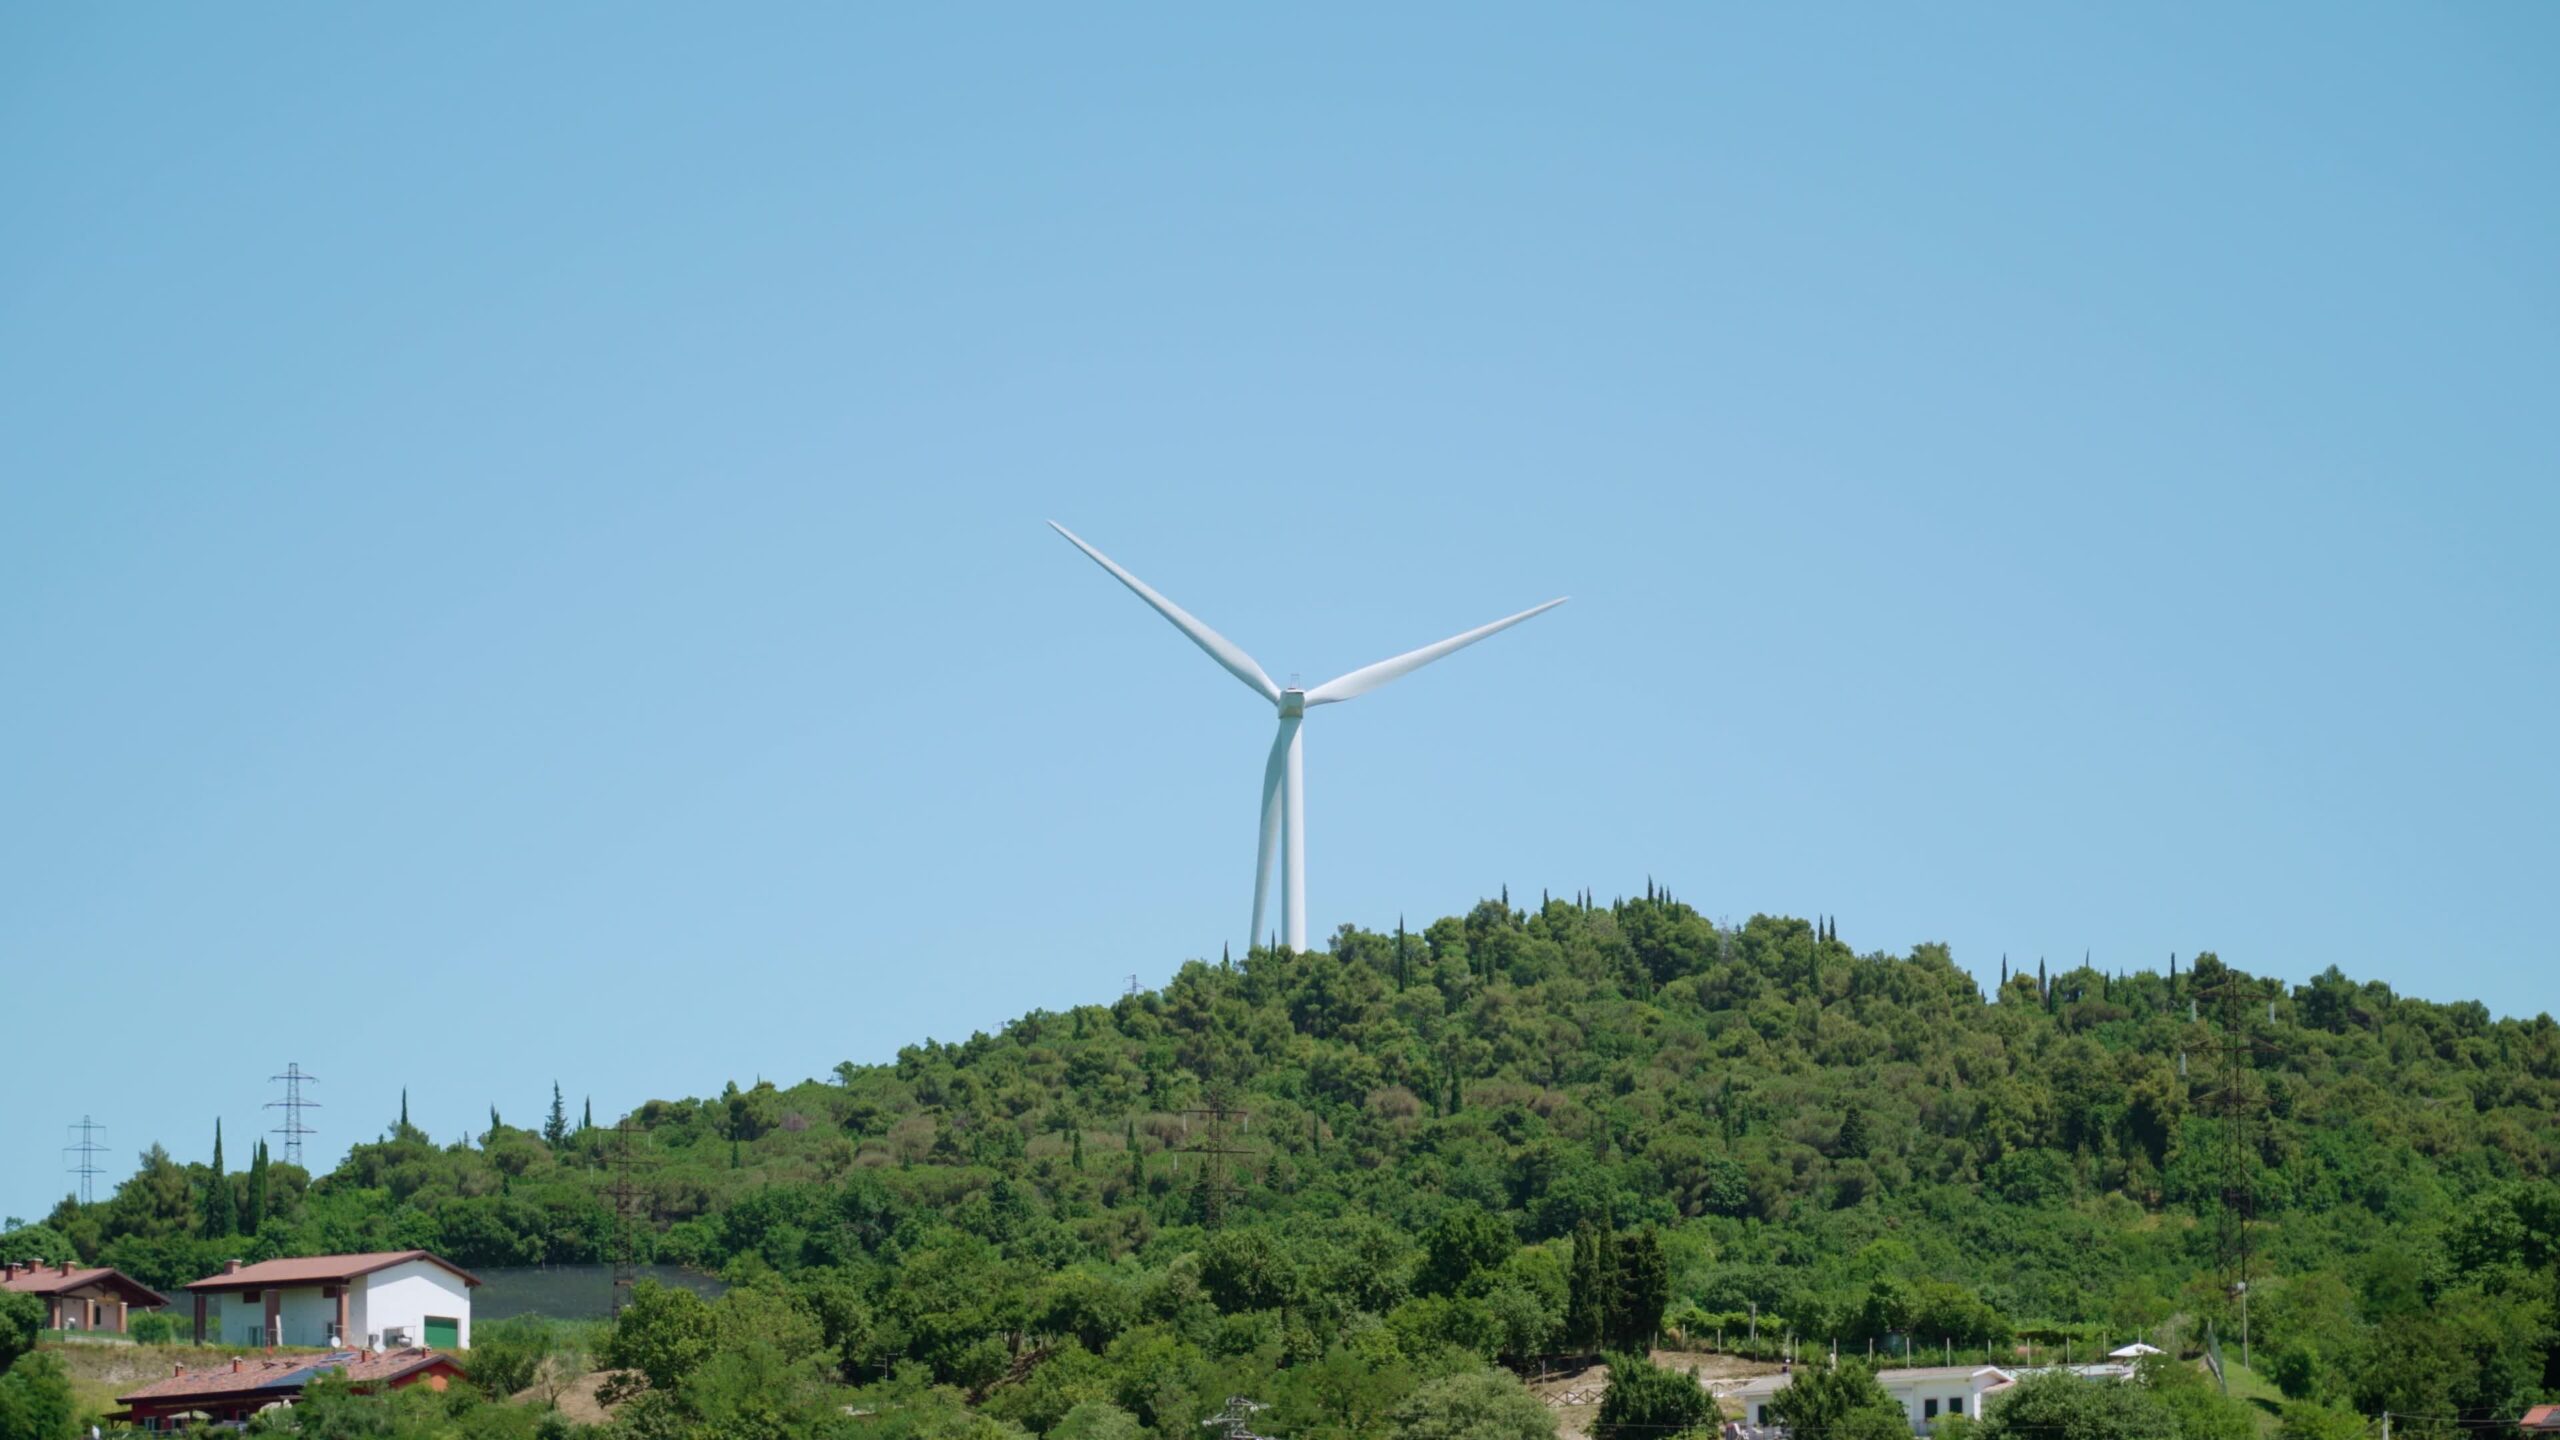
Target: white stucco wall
[(405, 1295), (307, 1316), (1912, 1392), (303, 1311)]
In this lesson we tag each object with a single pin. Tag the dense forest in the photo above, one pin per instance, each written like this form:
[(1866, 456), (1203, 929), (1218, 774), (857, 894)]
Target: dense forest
[(1357, 1184)]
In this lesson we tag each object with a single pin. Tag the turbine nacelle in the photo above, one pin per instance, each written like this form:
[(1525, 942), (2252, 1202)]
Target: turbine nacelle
[(1284, 778)]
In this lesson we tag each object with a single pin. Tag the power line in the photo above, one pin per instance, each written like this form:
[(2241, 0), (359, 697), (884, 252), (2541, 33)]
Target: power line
[(293, 1104), (85, 1153)]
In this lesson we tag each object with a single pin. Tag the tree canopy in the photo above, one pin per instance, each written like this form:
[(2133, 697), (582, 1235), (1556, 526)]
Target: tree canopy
[(1514, 1134)]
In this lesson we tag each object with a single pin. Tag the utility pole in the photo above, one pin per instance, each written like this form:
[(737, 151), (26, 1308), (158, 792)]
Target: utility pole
[(84, 1154), (293, 1104)]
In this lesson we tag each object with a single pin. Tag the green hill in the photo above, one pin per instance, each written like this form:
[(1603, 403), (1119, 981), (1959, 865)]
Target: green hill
[(1517, 1135)]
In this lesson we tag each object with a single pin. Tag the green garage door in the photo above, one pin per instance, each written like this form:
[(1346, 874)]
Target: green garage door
[(443, 1333)]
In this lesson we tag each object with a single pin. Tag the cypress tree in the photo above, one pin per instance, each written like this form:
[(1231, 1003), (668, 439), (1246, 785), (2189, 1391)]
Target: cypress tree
[(737, 1154), (555, 1128), (1075, 1154), (404, 1107), (253, 1198), (1642, 1291), (587, 1119), (1137, 1157), (1591, 1287), (219, 1217)]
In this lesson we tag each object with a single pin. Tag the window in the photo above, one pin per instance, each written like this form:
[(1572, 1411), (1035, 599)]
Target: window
[(1956, 1406), (1929, 1408), (251, 1297), (328, 1292), (1762, 1413)]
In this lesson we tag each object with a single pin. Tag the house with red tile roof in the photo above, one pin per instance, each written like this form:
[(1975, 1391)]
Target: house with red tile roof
[(386, 1299), (81, 1297), (2541, 1420), (242, 1388)]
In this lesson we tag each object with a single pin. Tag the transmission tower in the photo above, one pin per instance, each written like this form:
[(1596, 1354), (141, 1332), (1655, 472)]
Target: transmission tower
[(293, 1104), (2241, 1106), (84, 1154), (1236, 1421), (629, 1208), (1213, 1150)]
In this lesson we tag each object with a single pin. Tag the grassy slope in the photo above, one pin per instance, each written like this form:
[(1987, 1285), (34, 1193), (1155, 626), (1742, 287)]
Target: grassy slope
[(2253, 1390)]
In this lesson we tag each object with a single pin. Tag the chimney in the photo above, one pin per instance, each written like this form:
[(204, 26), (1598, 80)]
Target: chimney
[(66, 1267), (178, 1371), (235, 1364), (230, 1267)]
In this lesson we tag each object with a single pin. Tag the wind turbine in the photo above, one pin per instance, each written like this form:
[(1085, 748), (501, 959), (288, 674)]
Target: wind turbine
[(1284, 780)]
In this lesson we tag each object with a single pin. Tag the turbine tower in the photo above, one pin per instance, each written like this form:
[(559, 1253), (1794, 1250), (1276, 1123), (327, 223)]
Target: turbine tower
[(1284, 775)]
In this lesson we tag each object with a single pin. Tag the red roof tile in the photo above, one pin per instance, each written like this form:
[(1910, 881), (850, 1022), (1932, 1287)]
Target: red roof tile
[(51, 1279), (286, 1374), (2541, 1417), (320, 1270)]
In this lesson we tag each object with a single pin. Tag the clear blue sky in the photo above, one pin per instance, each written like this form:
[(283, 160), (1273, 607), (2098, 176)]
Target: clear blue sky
[(520, 545)]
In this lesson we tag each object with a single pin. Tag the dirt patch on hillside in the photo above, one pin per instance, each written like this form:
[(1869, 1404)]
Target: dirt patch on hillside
[(1575, 1395), (578, 1398)]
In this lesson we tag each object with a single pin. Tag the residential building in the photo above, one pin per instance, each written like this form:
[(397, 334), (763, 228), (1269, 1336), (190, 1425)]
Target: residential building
[(387, 1300), (1925, 1392), (81, 1297), (230, 1394), (2541, 1420)]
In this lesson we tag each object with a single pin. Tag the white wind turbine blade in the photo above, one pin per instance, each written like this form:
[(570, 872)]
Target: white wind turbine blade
[(1370, 677), (1221, 649)]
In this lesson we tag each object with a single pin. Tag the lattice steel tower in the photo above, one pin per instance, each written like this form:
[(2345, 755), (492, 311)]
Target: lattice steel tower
[(630, 1207), (84, 1154), (2240, 1100), (1212, 1188), (293, 1104)]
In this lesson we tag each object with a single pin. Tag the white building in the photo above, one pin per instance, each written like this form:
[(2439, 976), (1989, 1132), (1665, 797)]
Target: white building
[(385, 1300), (1925, 1392)]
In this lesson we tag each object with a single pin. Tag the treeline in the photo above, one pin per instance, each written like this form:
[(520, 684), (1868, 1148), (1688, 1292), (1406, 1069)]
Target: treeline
[(1522, 1134)]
